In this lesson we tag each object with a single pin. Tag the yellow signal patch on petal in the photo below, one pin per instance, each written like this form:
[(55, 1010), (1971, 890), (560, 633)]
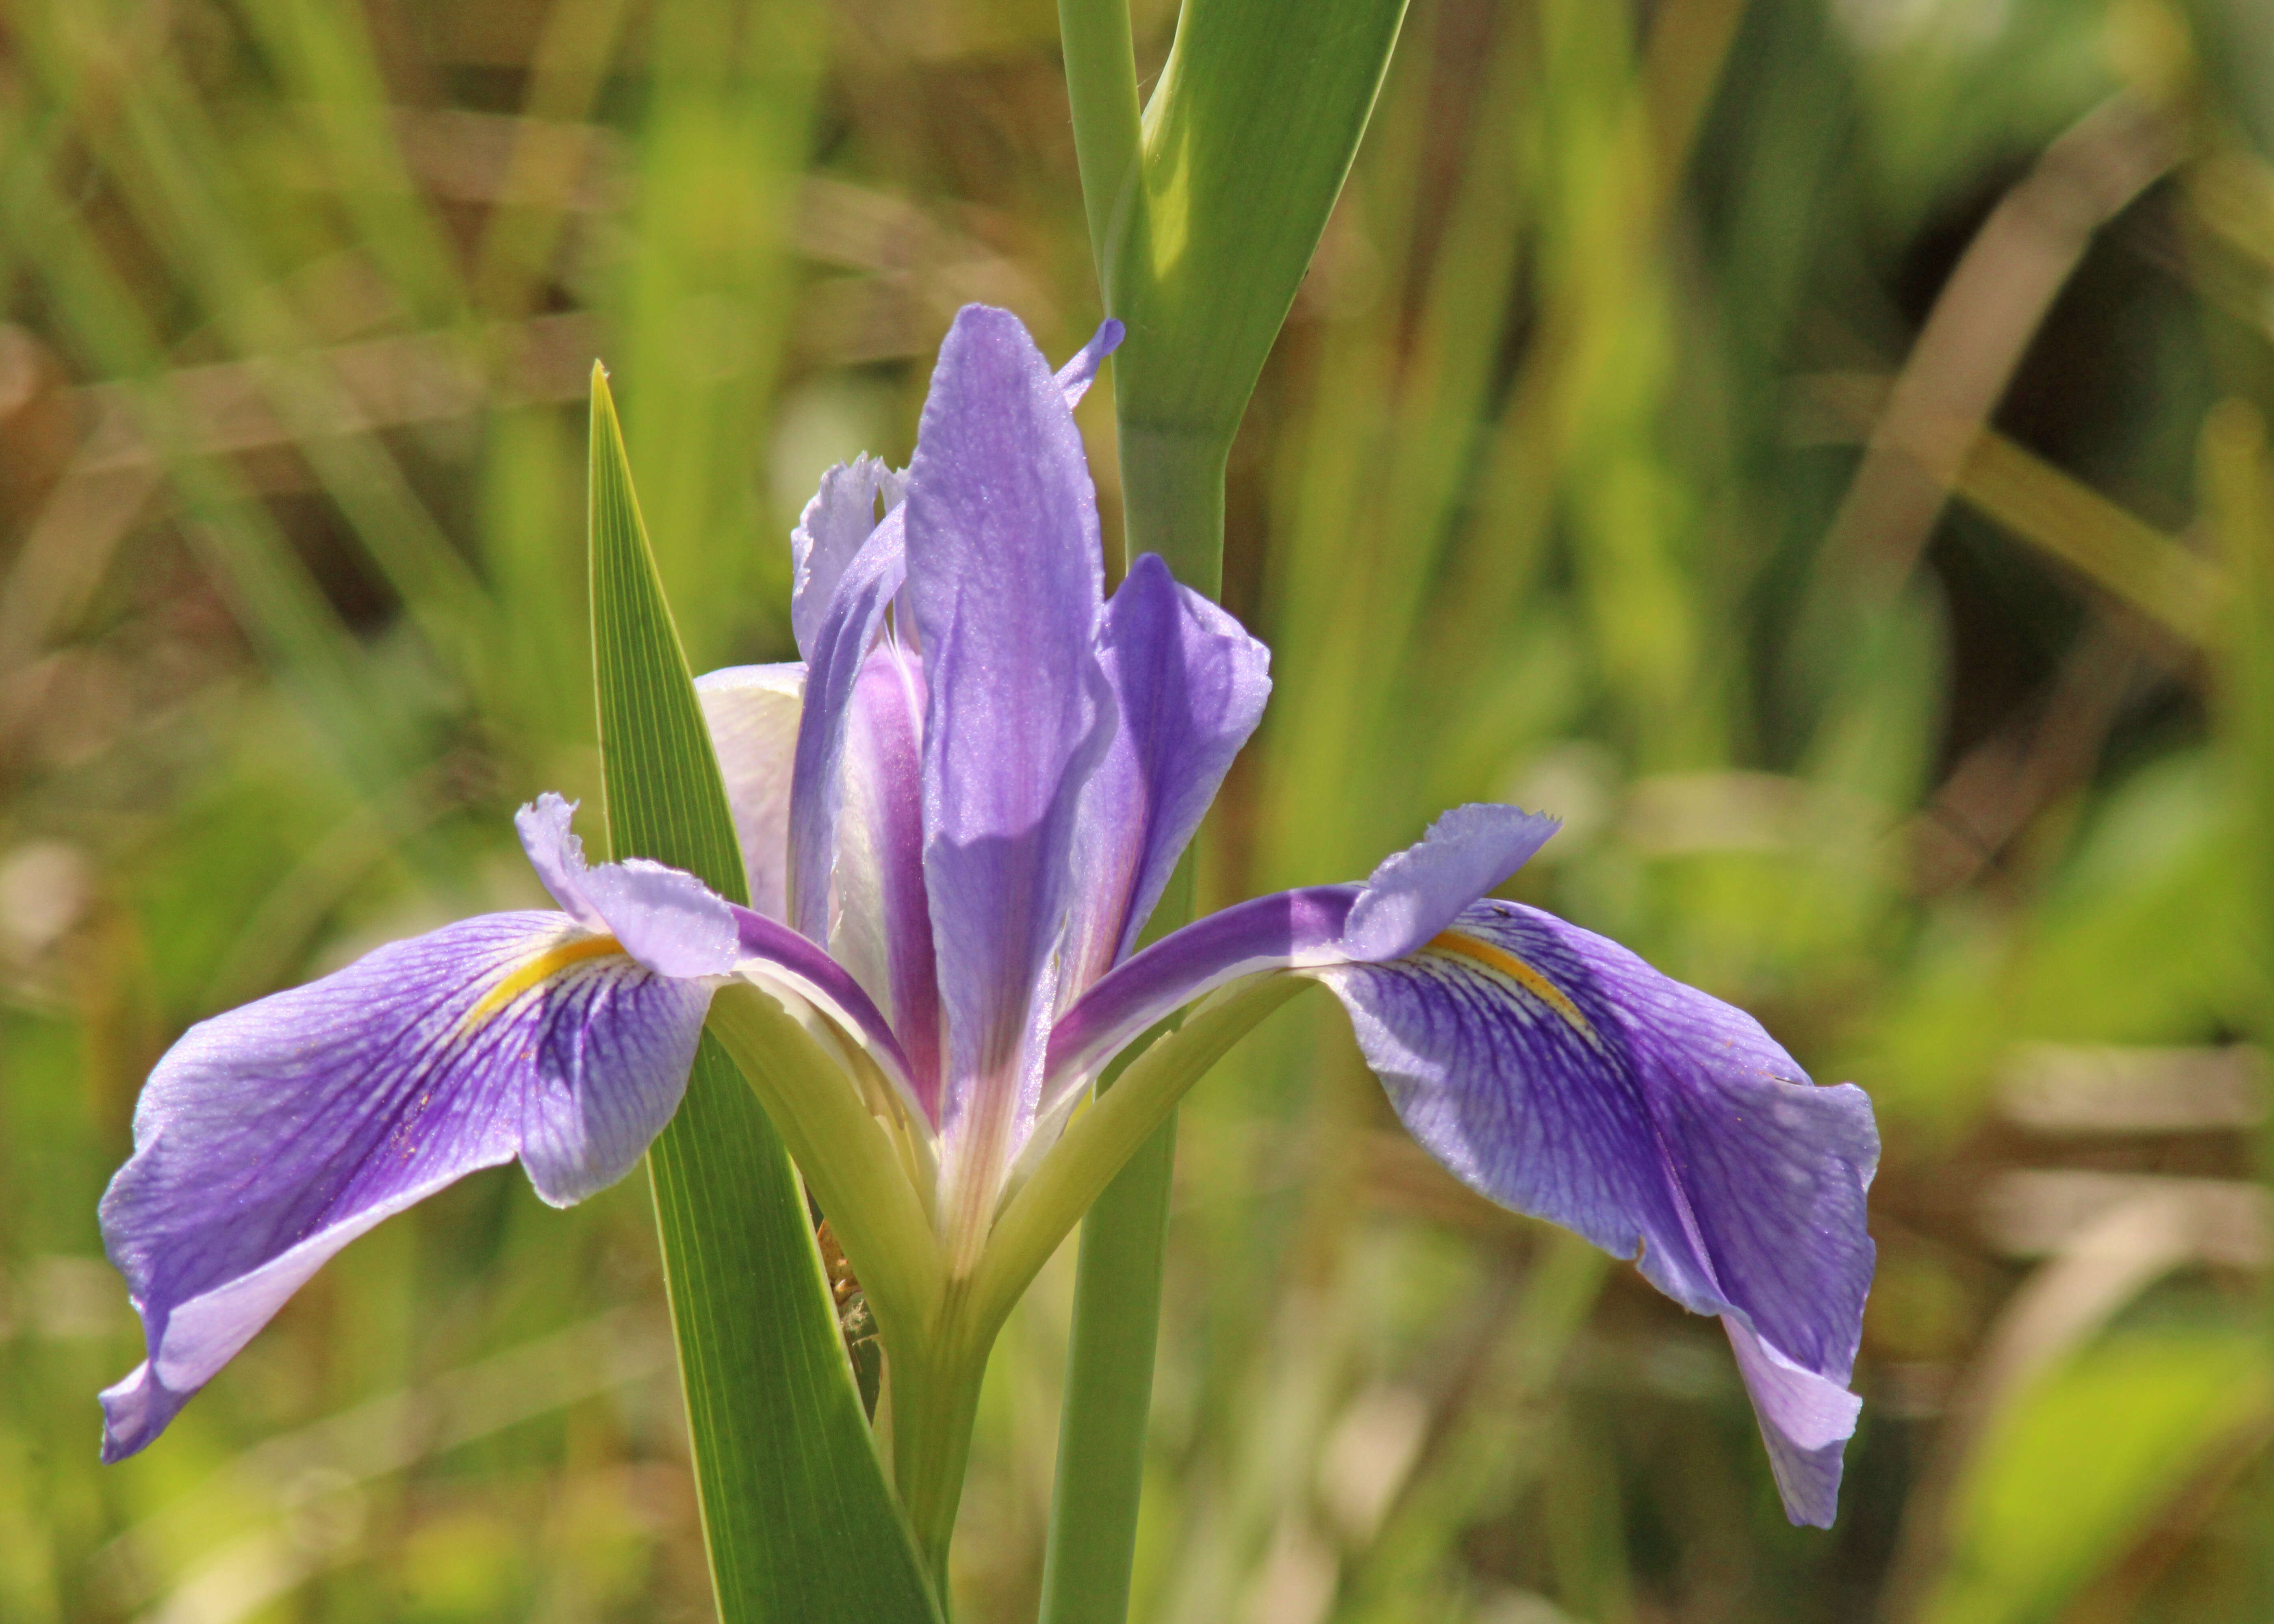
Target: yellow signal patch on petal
[(531, 972), (1501, 962)]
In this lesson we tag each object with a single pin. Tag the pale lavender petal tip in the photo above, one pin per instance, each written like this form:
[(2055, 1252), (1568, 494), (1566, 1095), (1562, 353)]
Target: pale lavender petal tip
[(558, 855), (1806, 1421), (840, 518), (664, 917), (135, 1412), (1416, 893), (270, 1137), (1075, 377)]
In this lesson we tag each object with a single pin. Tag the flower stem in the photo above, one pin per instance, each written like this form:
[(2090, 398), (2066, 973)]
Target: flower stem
[(1117, 1283), (1116, 1313), (935, 1402)]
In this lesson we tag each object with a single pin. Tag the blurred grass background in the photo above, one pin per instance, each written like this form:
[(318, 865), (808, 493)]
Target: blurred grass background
[(1814, 446)]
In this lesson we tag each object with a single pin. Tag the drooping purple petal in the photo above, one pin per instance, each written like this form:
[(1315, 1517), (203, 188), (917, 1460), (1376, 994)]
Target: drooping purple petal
[(752, 712), (1189, 686), (840, 518), (664, 917), (882, 931), (270, 1137), (849, 630), (1416, 892), (1003, 575), (1555, 1073), (1075, 377)]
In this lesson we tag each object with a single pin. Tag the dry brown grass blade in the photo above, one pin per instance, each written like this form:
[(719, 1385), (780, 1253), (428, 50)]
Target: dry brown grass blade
[(1975, 335)]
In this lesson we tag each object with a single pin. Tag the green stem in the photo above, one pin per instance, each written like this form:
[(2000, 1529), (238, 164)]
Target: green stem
[(1172, 499), (1117, 1312), (1117, 1280), (934, 1406)]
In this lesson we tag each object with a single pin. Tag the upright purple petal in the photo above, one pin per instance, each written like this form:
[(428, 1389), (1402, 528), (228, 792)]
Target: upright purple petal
[(1189, 685), (270, 1137), (1003, 575), (1416, 892), (840, 518), (1075, 377), (848, 631), (1556, 1073), (752, 712), (882, 931)]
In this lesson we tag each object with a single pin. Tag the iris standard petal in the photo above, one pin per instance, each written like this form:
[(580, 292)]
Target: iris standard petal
[(840, 518), (882, 931), (752, 713), (849, 630), (1416, 892), (270, 1137), (1556, 1073), (1189, 686), (1003, 576)]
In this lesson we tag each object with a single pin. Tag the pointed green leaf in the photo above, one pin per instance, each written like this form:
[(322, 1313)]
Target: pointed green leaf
[(799, 1520), (1246, 141)]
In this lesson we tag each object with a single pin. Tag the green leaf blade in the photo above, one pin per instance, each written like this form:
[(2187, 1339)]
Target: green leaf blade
[(1247, 141), (797, 1517)]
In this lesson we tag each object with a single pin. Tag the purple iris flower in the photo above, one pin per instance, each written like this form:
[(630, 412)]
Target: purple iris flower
[(957, 812)]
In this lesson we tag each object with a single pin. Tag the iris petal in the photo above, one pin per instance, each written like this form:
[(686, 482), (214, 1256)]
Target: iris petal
[(270, 1137), (849, 630), (664, 917), (830, 532), (1003, 573), (1189, 686), (1556, 1073), (752, 712), (1081, 371), (882, 927), (1416, 892)]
